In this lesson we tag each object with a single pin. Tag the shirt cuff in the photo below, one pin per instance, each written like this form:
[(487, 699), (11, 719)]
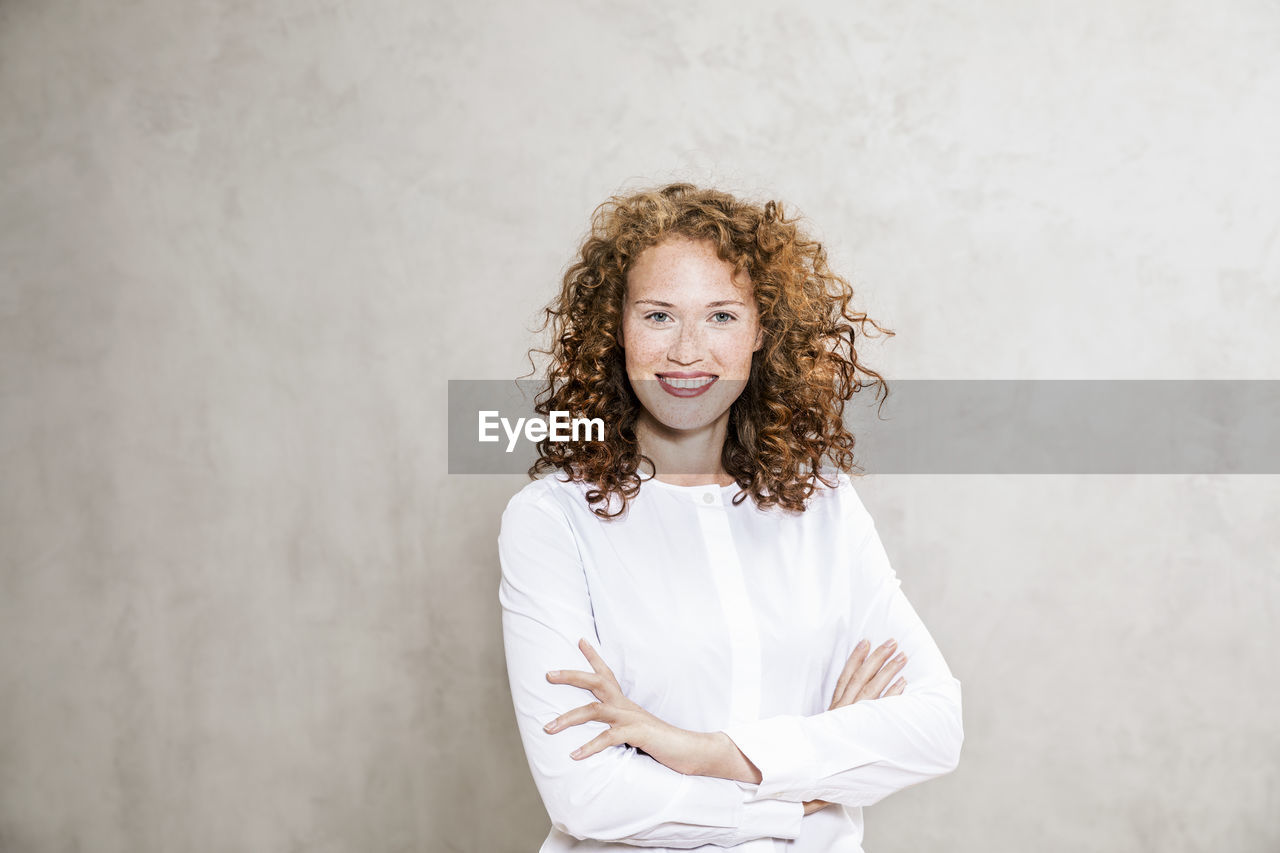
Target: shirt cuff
[(779, 748), (769, 818)]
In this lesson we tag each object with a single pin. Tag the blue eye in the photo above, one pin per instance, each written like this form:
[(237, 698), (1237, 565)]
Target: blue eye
[(653, 314), (726, 314)]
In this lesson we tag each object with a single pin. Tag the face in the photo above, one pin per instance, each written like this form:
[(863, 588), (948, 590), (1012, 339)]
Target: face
[(688, 332)]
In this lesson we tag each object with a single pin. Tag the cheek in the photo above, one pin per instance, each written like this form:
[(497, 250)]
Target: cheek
[(641, 348), (740, 348)]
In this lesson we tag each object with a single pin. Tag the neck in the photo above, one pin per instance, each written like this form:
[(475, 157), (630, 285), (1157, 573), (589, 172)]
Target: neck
[(685, 457)]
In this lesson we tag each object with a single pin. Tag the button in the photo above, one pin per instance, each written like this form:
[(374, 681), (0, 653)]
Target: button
[(708, 498)]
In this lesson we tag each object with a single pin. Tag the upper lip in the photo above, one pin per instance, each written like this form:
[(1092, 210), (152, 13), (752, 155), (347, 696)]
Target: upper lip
[(695, 375)]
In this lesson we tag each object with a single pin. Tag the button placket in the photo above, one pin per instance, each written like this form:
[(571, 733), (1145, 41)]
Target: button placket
[(739, 614)]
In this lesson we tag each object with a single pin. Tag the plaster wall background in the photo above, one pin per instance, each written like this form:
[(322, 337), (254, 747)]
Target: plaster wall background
[(243, 247)]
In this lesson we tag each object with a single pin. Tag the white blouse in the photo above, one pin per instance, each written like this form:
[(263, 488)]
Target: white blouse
[(716, 617)]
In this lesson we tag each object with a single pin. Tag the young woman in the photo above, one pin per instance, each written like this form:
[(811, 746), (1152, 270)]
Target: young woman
[(705, 640)]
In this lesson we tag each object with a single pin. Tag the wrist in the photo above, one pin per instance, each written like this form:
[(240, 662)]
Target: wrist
[(720, 757), (700, 758)]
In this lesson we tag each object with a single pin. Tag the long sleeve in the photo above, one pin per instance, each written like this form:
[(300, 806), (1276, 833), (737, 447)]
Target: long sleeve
[(618, 794), (857, 754)]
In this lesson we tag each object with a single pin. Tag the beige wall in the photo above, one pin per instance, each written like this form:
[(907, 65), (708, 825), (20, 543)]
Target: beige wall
[(244, 245)]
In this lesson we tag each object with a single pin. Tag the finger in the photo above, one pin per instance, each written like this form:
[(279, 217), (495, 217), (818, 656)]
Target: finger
[(592, 711), (607, 738), (875, 661), (597, 662), (882, 678), (876, 685), (610, 689), (586, 680), (897, 688), (865, 672), (812, 806), (855, 660)]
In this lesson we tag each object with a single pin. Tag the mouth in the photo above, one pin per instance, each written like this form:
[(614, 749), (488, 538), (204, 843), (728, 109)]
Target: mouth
[(686, 386)]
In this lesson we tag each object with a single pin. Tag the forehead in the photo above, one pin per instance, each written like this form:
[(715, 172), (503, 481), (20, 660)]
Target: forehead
[(680, 265)]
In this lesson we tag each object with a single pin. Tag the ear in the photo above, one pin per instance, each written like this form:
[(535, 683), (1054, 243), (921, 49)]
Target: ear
[(759, 340)]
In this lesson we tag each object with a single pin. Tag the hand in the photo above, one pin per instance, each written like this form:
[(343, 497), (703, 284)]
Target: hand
[(679, 749), (864, 677)]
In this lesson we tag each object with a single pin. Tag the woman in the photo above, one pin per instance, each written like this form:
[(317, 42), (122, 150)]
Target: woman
[(700, 603)]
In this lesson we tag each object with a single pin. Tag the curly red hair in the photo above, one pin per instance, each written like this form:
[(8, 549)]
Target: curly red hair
[(790, 416)]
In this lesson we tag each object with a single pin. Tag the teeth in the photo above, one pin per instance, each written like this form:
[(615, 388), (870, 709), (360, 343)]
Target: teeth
[(688, 383)]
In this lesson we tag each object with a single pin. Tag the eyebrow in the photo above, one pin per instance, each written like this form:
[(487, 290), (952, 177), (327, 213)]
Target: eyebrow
[(709, 304)]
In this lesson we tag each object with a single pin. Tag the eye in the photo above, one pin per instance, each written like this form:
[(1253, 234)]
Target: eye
[(724, 314), (653, 314)]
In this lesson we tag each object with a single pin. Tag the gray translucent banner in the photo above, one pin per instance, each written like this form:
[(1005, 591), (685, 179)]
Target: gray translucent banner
[(963, 427)]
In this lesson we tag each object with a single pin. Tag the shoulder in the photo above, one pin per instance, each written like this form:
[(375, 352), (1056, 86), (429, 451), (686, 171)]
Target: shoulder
[(843, 496), (841, 487), (536, 537), (548, 496), (533, 492), (540, 492)]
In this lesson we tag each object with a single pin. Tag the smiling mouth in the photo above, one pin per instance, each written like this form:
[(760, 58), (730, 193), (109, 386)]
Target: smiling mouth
[(686, 387)]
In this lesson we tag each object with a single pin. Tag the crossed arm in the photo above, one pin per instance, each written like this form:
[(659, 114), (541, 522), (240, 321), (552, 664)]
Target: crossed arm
[(687, 789), (866, 675)]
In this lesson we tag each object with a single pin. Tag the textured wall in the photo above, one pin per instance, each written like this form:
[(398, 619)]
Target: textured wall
[(243, 246)]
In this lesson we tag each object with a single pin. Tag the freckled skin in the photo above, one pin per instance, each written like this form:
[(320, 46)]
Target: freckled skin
[(689, 334)]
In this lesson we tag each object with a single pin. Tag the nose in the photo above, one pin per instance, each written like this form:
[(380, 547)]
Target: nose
[(687, 346)]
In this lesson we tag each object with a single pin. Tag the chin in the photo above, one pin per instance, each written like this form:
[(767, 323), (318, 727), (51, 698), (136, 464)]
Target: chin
[(685, 417), (685, 425)]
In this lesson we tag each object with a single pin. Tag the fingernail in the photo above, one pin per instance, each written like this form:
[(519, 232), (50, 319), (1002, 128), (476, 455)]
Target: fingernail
[(550, 727), (555, 673), (576, 752), (890, 644), (862, 644)]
